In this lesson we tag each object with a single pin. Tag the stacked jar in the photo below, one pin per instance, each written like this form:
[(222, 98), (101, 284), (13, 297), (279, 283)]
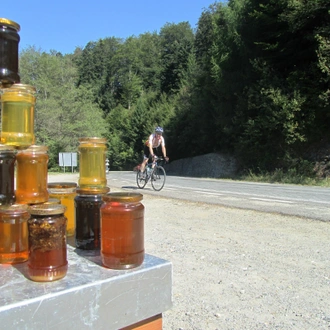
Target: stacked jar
[(13, 217), (28, 219), (92, 186)]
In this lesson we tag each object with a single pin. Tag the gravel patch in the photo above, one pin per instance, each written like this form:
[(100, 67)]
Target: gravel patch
[(239, 269)]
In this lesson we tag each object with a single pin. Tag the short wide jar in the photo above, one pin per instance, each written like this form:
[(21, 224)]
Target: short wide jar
[(47, 243), (122, 230), (14, 244)]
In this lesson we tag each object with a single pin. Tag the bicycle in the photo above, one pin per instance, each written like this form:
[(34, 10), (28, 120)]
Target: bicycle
[(153, 172)]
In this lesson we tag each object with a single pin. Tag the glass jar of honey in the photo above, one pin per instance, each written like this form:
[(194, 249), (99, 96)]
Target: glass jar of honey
[(14, 244), (32, 175), (65, 192), (17, 115), (7, 174), (92, 156), (47, 243), (87, 205), (9, 40), (122, 230)]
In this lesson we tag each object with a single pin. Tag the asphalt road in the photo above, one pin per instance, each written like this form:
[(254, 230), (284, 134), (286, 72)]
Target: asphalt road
[(304, 201)]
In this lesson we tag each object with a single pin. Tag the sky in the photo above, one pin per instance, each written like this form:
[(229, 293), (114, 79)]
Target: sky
[(63, 25)]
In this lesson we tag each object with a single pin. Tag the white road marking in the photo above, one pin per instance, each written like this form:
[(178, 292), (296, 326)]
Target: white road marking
[(272, 200)]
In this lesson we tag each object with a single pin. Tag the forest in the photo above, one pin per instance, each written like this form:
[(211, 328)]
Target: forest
[(252, 80)]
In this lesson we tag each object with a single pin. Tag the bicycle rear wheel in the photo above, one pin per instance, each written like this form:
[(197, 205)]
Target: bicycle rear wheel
[(141, 182), (158, 178)]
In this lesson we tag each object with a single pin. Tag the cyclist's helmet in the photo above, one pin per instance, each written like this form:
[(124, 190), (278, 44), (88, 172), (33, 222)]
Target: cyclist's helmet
[(159, 130)]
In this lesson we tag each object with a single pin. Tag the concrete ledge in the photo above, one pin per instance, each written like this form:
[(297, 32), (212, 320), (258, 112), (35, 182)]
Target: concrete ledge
[(89, 297)]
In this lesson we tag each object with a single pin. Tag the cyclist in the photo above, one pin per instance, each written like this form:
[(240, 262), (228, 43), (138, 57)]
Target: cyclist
[(154, 146)]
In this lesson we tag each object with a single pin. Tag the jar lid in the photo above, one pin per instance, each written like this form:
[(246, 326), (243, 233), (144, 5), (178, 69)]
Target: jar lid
[(62, 187), (5, 21), (34, 148), (20, 87), (5, 147), (122, 197), (14, 209), (92, 191), (62, 184), (47, 209), (50, 201), (92, 140)]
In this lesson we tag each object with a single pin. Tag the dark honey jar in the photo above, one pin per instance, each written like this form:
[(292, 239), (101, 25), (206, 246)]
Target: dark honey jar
[(9, 40), (87, 212), (7, 176), (122, 230), (47, 243)]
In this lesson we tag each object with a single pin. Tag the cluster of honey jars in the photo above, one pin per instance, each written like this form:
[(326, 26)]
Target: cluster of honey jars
[(111, 222), (32, 227), (36, 216)]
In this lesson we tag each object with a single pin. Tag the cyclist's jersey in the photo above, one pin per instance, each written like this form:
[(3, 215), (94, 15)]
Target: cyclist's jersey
[(155, 140)]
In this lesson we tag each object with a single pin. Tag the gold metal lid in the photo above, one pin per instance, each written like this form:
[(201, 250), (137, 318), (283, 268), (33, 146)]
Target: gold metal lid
[(14, 209), (10, 23), (19, 87), (5, 147), (123, 197), (47, 209), (53, 201), (92, 191), (62, 185), (34, 149), (92, 140)]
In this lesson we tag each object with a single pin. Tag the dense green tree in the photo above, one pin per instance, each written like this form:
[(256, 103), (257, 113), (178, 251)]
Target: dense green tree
[(63, 112), (176, 41), (253, 79)]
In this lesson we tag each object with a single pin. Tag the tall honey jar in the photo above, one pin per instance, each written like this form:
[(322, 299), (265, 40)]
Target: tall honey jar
[(65, 192), (7, 174), (87, 205), (14, 244), (47, 243), (122, 230), (32, 175), (9, 40), (92, 156), (17, 115)]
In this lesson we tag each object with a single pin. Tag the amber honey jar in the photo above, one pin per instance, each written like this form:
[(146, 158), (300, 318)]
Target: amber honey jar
[(17, 115), (87, 205), (32, 175), (122, 230), (7, 174), (92, 156), (65, 192), (47, 243), (14, 245), (9, 40)]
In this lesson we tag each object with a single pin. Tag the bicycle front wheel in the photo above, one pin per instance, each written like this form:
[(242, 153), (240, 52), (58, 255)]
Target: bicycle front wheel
[(158, 178), (141, 181)]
